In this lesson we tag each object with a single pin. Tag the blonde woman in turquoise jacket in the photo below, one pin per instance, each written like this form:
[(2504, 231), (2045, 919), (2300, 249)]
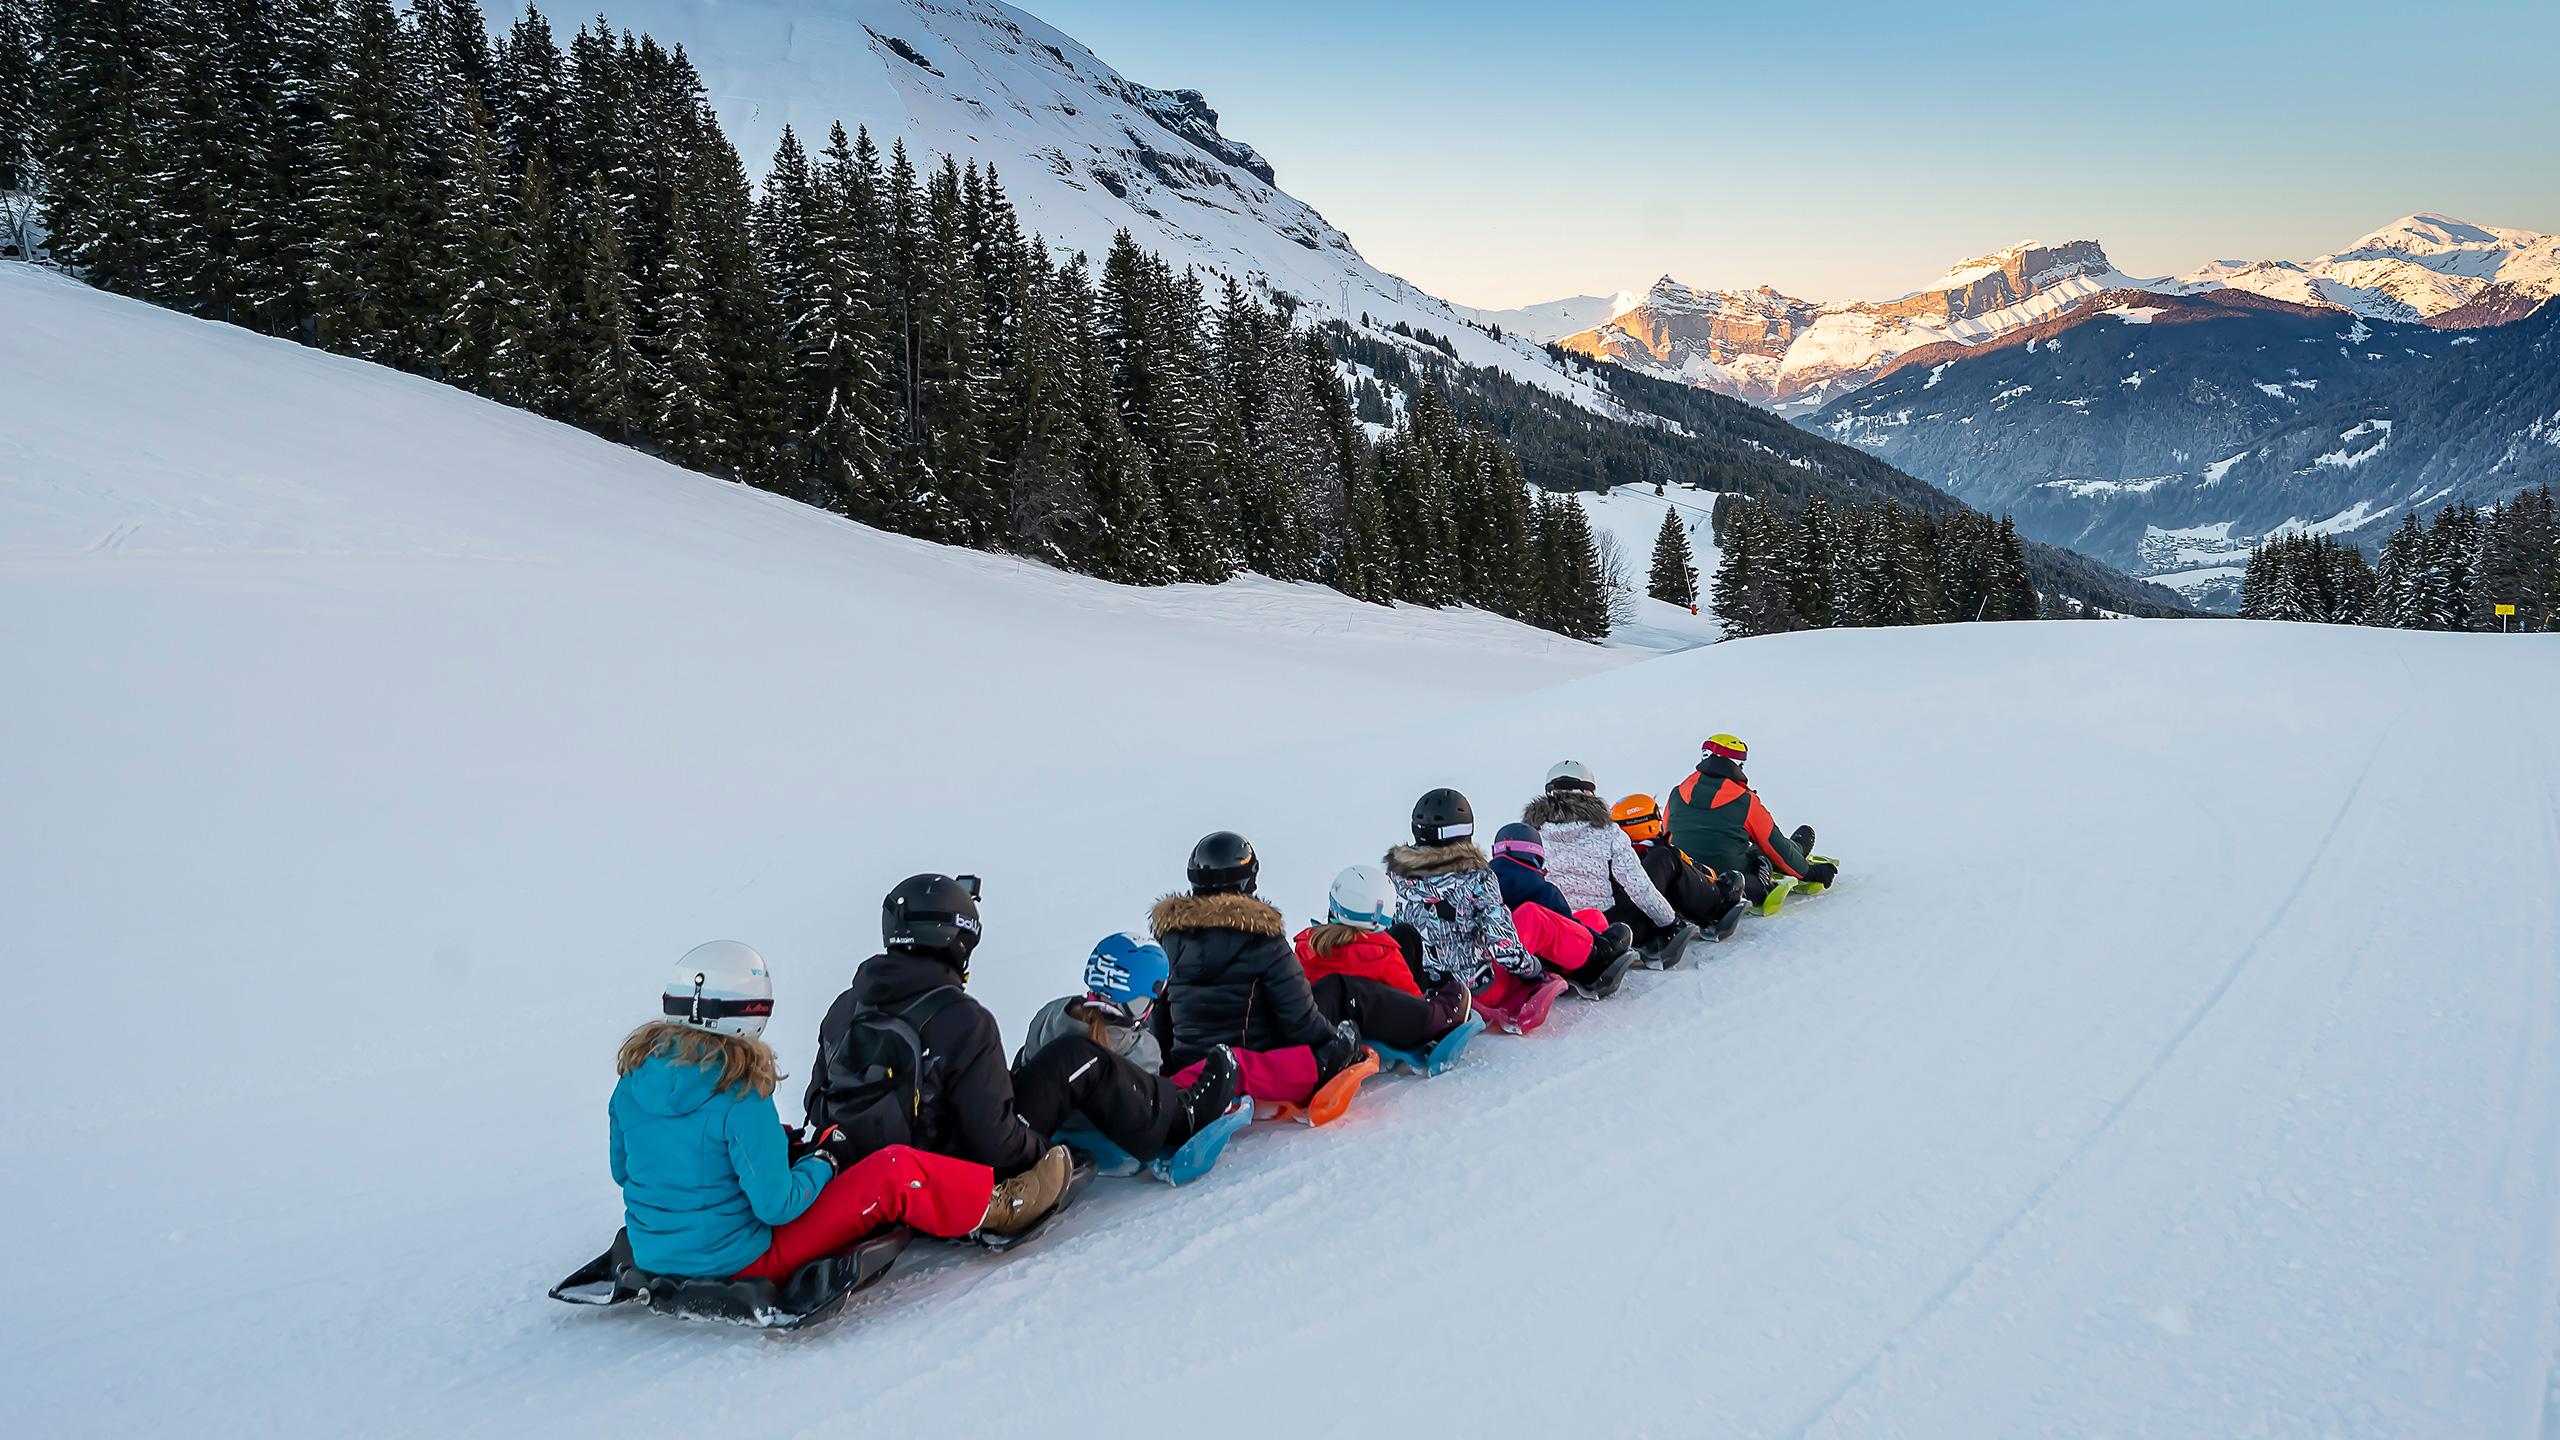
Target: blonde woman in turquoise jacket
[(710, 1182)]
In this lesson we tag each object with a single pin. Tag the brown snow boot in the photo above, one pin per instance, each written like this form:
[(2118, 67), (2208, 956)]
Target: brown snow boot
[(1018, 1203)]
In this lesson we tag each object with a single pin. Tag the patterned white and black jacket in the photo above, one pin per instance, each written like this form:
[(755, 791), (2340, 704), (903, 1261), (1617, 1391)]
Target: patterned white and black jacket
[(1448, 894)]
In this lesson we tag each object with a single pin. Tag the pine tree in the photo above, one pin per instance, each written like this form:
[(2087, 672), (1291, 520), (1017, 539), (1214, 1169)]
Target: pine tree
[(682, 375), (487, 325), (2521, 537), (19, 102), (1674, 577), (1368, 569), (98, 83), (609, 396), (1577, 602), (2453, 569), (369, 267), (1737, 565), (211, 137), (308, 36), (2258, 585), (2011, 586), (2401, 582), (1811, 566)]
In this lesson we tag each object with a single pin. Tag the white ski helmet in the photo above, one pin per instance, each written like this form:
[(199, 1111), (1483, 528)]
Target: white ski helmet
[(1572, 775), (721, 986), (1362, 897)]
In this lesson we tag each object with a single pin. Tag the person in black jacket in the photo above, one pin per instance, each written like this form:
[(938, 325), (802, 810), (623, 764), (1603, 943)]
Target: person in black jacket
[(968, 1103), (1235, 982), (1700, 895)]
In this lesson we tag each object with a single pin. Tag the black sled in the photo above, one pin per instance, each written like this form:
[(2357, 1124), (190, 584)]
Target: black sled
[(811, 1294)]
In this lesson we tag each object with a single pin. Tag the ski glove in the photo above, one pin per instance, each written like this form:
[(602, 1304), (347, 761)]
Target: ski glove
[(1821, 872), (836, 1148)]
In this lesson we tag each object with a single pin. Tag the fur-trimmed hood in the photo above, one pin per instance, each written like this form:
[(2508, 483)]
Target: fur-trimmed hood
[(1566, 807), (1415, 861), (1217, 912)]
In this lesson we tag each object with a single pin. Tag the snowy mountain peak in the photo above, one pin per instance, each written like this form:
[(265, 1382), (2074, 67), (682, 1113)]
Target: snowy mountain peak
[(1084, 151), (2424, 266), (2428, 233)]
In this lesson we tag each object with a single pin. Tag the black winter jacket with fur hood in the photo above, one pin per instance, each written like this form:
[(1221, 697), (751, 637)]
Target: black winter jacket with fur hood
[(1235, 979)]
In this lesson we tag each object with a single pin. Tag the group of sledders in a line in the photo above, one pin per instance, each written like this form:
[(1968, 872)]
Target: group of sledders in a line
[(1218, 1010)]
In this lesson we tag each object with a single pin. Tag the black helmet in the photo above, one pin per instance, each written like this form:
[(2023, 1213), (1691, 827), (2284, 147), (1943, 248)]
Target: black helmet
[(1224, 863), (932, 915), (1442, 816)]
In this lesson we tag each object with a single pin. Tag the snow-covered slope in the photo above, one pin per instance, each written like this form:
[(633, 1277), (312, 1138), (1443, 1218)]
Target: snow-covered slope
[(2418, 267), (1792, 354), (371, 751), (1555, 319), (1630, 518), (1083, 151)]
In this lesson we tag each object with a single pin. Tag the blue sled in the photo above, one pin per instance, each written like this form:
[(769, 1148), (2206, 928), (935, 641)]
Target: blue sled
[(1197, 1157), (1443, 1054)]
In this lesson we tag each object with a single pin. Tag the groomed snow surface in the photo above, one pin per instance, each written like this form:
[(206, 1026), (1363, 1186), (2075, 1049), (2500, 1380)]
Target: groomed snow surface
[(2181, 1055)]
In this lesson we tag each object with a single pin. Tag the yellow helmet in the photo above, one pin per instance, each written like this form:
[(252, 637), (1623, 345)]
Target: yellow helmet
[(1728, 747)]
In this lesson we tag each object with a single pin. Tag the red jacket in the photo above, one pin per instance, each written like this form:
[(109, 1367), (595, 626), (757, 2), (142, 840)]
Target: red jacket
[(1372, 955)]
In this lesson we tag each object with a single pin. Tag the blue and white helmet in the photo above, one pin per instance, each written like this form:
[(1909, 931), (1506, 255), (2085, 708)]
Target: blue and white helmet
[(1127, 969), (1362, 897), (721, 986)]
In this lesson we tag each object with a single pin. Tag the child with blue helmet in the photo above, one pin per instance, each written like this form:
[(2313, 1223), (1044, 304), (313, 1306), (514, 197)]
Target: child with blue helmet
[(1124, 980)]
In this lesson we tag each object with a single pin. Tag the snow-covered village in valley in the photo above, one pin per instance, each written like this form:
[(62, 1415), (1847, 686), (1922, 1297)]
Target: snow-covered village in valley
[(754, 718)]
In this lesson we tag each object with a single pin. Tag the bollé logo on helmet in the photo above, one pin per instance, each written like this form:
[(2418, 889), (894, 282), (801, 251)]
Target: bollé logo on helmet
[(968, 923)]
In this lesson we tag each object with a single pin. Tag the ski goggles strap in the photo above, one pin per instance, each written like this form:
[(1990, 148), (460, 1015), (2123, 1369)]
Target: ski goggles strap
[(698, 1008)]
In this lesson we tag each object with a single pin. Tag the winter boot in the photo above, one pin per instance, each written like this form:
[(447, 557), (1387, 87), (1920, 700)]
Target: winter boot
[(1207, 1097), (1337, 1054), (1018, 1203), (1451, 1005), (1598, 981), (1612, 943), (1803, 837), (1668, 947)]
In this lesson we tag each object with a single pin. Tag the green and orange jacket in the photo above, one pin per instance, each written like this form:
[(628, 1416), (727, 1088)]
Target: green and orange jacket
[(1717, 820)]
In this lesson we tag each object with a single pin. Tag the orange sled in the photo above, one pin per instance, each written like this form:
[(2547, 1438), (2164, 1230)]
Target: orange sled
[(1330, 1100)]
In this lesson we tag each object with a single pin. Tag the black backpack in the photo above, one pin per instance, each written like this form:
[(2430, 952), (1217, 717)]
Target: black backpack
[(873, 1076)]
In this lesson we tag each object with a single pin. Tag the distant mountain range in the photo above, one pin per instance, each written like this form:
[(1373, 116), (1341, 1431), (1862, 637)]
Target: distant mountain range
[(2162, 425), (2166, 433), (1796, 355)]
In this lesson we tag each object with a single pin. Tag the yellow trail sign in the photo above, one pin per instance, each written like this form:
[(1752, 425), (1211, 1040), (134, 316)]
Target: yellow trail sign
[(2506, 609)]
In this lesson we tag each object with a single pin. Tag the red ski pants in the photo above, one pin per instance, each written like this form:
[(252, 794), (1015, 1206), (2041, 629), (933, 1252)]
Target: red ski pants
[(1565, 944), (934, 1193)]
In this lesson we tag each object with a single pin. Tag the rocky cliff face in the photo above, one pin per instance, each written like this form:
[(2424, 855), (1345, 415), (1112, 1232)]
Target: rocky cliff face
[(1792, 354)]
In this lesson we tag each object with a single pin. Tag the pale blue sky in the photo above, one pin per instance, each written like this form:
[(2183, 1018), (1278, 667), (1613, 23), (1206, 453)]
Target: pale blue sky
[(1501, 152)]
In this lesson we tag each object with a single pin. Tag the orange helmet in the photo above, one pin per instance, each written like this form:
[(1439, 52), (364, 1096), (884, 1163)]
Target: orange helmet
[(1639, 817)]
